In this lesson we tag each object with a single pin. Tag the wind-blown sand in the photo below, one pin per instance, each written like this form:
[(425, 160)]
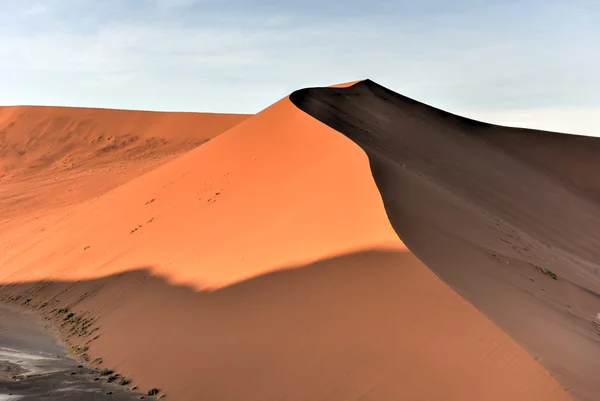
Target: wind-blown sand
[(262, 265), (488, 208)]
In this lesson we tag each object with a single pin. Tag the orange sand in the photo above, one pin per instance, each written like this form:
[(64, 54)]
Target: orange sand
[(216, 210), (278, 191)]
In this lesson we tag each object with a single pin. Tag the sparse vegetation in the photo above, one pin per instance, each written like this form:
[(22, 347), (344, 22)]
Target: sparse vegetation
[(106, 372), (150, 201), (79, 349), (549, 273), (69, 316), (124, 381), (153, 391)]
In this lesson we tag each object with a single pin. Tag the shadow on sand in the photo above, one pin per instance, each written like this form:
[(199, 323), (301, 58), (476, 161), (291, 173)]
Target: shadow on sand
[(353, 326)]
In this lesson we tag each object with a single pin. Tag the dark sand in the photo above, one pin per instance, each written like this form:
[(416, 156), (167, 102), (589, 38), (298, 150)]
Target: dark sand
[(487, 208), (35, 366)]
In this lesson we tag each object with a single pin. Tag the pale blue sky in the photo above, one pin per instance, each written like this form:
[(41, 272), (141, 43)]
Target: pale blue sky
[(522, 62)]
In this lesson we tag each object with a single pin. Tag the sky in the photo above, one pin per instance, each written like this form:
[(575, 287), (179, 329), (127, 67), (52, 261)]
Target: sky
[(532, 63)]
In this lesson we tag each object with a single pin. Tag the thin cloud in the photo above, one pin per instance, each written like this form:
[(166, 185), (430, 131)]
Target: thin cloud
[(228, 56), (36, 9), (582, 121)]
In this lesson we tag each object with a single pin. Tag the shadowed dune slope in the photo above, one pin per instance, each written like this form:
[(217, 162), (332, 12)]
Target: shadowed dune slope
[(79, 153), (365, 326), (273, 273), (488, 208)]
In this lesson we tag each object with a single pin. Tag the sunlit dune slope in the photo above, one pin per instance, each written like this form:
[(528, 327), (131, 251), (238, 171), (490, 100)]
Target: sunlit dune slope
[(494, 211), (271, 272), (52, 156), (210, 217)]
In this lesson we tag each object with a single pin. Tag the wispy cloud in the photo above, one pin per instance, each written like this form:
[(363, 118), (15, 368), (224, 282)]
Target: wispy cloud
[(234, 55), (571, 120), (35, 9)]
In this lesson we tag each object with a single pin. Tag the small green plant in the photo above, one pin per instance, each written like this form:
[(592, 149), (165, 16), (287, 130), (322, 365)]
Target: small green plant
[(549, 273), (106, 372), (153, 391), (124, 381)]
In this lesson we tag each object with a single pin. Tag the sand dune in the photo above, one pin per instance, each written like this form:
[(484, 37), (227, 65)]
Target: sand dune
[(270, 271), (79, 153), (488, 208), (209, 217)]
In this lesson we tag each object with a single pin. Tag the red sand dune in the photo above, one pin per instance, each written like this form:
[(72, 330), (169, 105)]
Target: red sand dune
[(262, 265)]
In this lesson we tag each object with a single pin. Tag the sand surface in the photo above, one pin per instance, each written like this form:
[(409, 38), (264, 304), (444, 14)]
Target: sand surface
[(488, 208), (261, 265)]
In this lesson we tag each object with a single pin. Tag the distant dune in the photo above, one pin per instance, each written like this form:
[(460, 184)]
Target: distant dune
[(263, 265), (67, 155)]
